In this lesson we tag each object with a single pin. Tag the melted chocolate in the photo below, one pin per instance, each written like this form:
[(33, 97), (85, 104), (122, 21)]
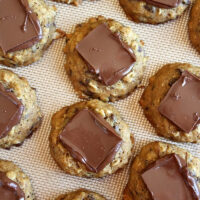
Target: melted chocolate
[(164, 3), (90, 140), (106, 54), (181, 105), (168, 178), (10, 190), (11, 110), (19, 26)]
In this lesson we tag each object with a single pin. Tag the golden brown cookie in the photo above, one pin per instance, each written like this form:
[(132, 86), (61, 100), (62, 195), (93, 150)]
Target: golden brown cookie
[(136, 188), (80, 195), (86, 83), (15, 174), (31, 116), (194, 25), (159, 85), (63, 157), (46, 16), (140, 11)]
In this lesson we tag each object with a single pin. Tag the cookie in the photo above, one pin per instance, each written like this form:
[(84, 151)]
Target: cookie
[(193, 25), (81, 194), (156, 93), (153, 12), (138, 187), (20, 114), (97, 154), (34, 29), (96, 71), (14, 183)]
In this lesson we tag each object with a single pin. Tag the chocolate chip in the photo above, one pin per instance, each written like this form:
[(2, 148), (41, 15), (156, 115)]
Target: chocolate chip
[(150, 8), (172, 81), (90, 197)]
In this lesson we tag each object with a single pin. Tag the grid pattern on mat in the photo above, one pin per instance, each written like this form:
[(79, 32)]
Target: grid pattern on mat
[(163, 44)]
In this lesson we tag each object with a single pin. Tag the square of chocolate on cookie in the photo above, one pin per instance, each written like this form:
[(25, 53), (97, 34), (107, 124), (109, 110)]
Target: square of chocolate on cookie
[(181, 105), (10, 190), (169, 179), (11, 110), (91, 140), (19, 26), (106, 54), (167, 4)]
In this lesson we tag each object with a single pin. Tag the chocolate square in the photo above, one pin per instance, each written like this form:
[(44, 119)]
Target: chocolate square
[(19, 26), (166, 179), (90, 140), (10, 190), (106, 54), (11, 110), (181, 105), (164, 3)]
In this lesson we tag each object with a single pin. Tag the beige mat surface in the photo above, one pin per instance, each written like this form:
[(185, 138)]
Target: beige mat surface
[(163, 44)]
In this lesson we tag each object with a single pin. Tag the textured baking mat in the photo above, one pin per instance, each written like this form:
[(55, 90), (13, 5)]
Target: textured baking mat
[(163, 44)]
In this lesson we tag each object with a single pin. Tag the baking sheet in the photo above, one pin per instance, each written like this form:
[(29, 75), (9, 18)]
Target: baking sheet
[(163, 44)]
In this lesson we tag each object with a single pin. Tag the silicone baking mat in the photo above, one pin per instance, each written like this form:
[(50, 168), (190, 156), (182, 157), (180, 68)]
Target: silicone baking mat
[(163, 44)]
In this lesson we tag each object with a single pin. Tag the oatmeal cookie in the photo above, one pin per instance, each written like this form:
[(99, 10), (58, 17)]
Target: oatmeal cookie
[(17, 179), (158, 87), (46, 19), (86, 83), (81, 194), (107, 112), (136, 188), (141, 11), (194, 25), (30, 117)]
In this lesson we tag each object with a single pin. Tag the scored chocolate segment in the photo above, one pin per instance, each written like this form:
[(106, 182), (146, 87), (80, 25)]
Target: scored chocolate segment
[(164, 3), (11, 110), (19, 26), (168, 178), (106, 54), (10, 190), (181, 105), (90, 140)]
